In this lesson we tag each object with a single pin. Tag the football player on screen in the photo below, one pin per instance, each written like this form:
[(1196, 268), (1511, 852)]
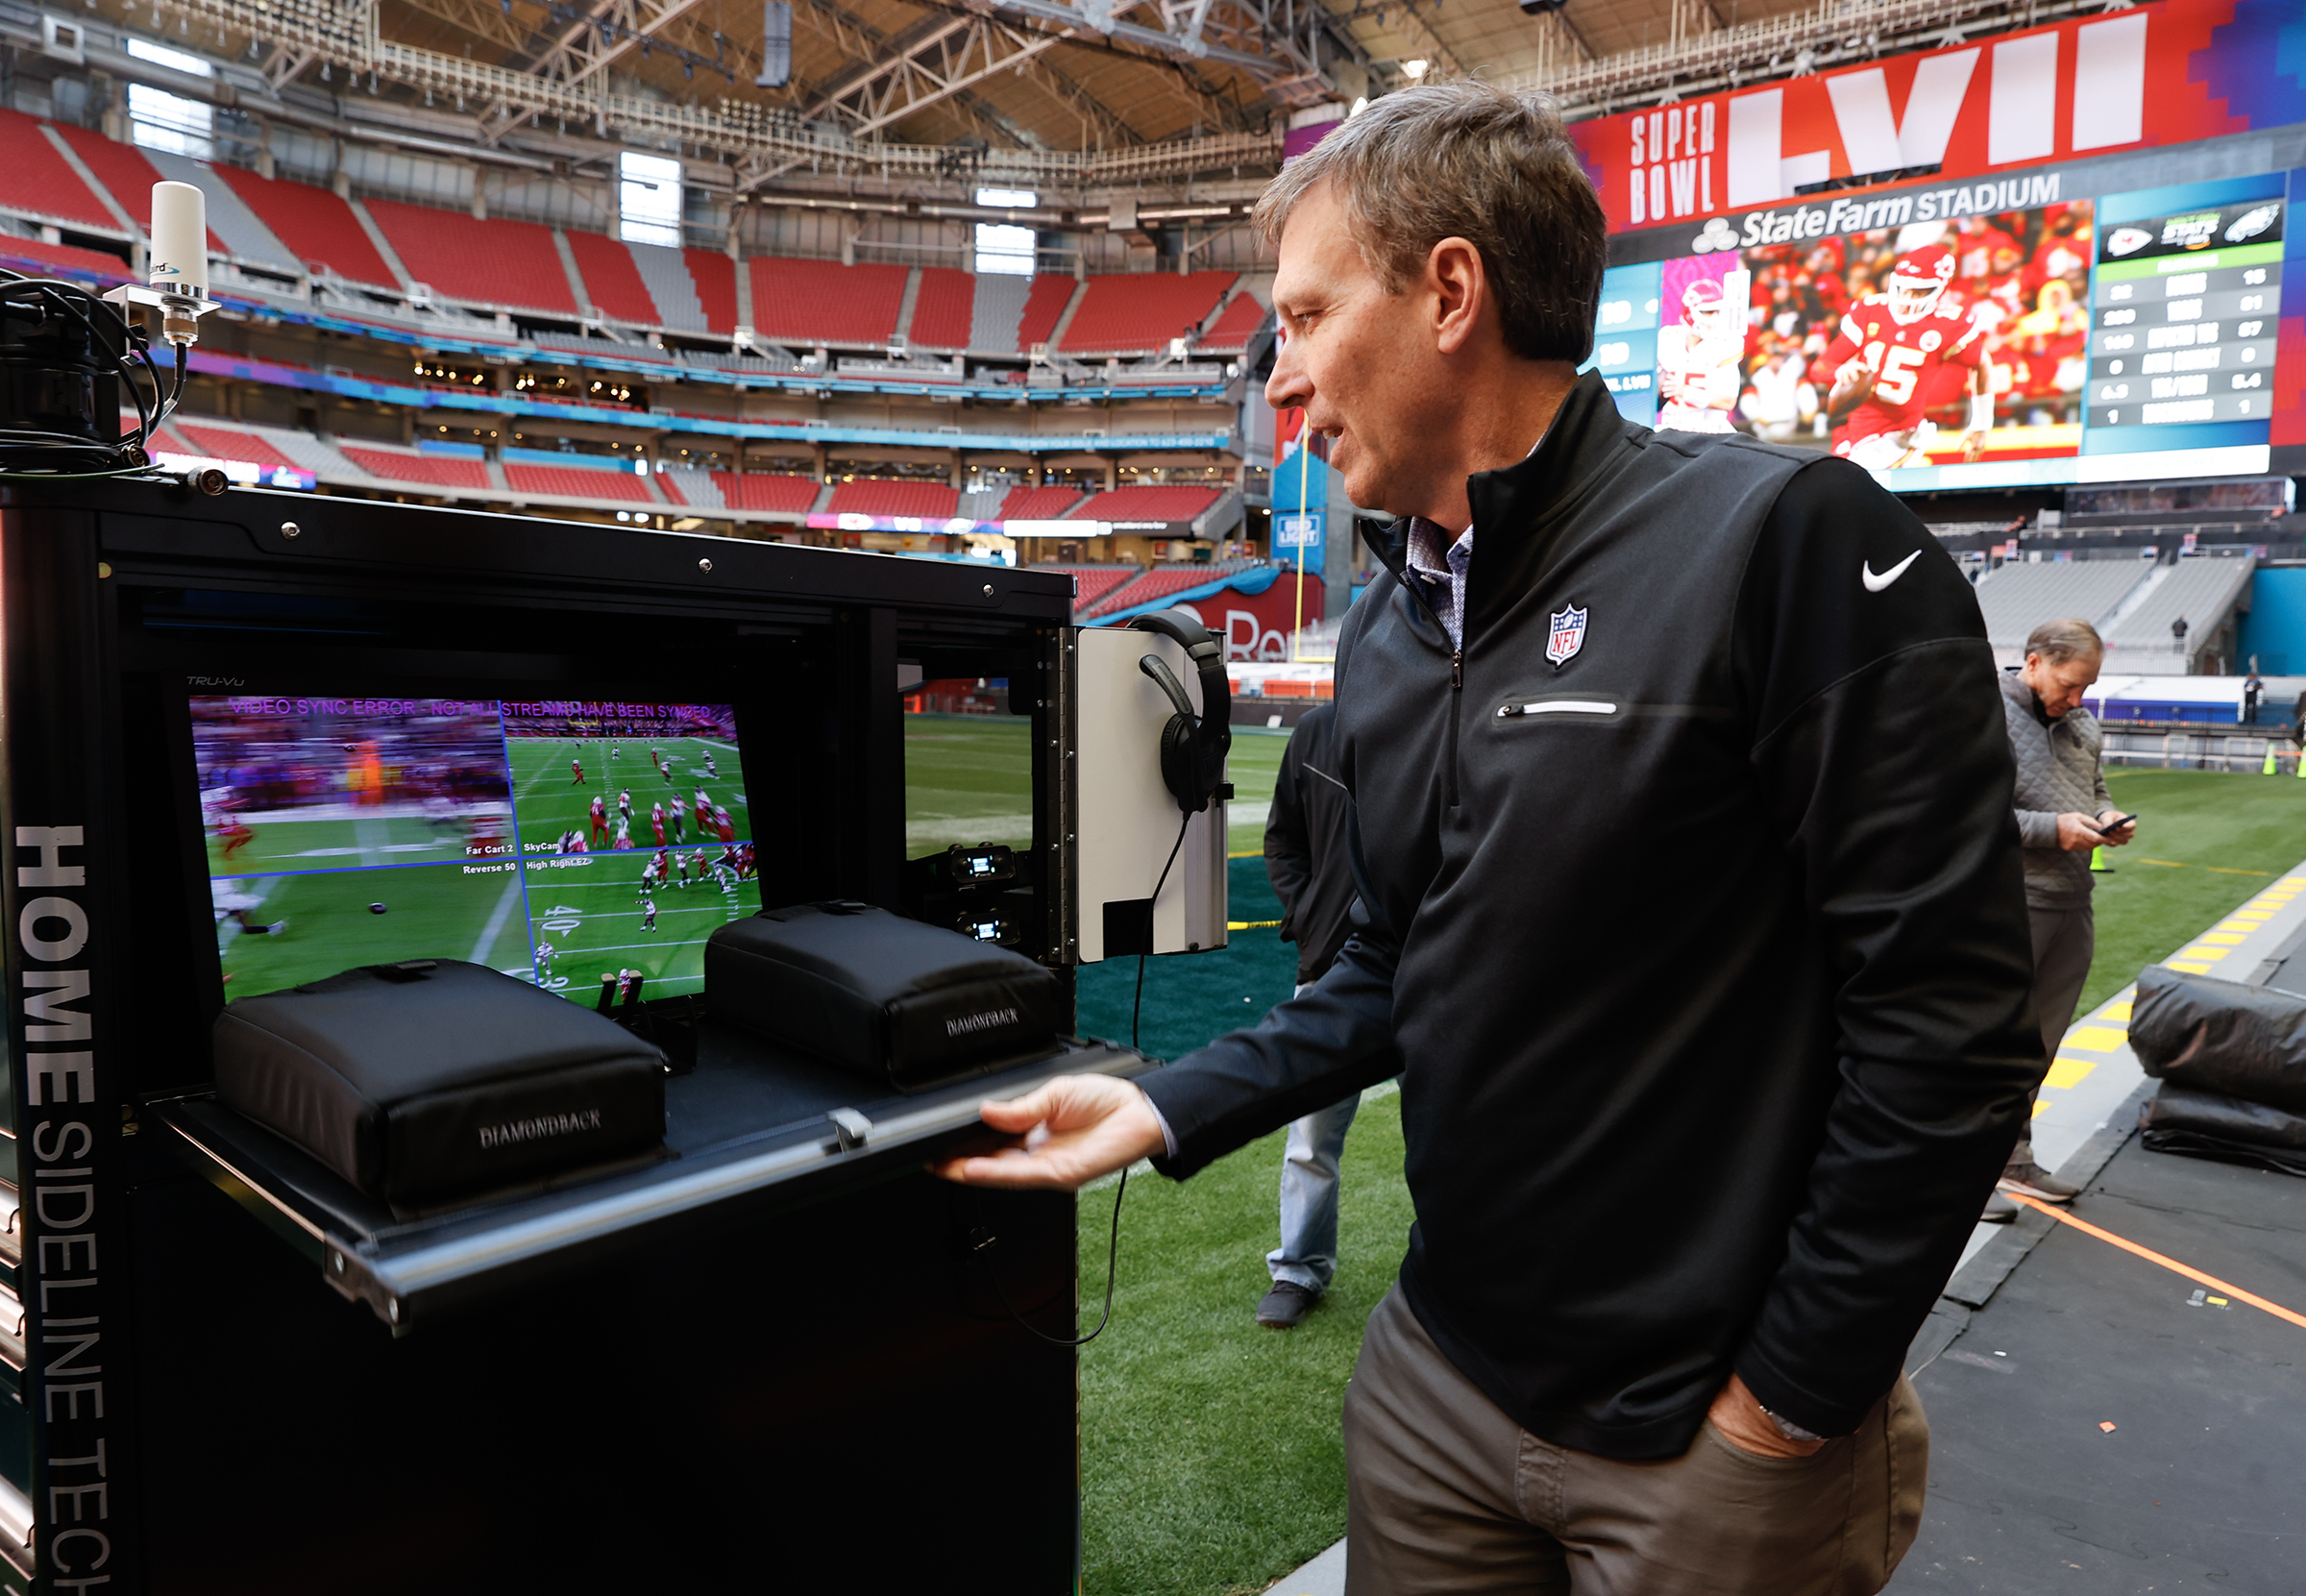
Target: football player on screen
[(1890, 360), (1700, 363)]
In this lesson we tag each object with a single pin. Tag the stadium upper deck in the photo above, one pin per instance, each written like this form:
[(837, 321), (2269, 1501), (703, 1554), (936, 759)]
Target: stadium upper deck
[(285, 246)]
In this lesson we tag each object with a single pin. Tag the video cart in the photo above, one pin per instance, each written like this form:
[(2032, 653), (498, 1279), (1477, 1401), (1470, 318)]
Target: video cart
[(257, 738)]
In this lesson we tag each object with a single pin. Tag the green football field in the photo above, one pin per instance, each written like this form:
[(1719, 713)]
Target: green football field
[(547, 798), (968, 778), (587, 908), (430, 912), (291, 843)]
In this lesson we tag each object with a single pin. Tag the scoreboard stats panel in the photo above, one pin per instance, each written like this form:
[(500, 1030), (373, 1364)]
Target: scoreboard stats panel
[(1625, 339), (2184, 324)]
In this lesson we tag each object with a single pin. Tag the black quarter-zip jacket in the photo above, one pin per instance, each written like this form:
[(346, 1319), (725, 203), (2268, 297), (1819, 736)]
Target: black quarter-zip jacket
[(1702, 954)]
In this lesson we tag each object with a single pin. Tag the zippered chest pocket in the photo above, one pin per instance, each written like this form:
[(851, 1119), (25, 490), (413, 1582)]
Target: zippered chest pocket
[(1569, 708)]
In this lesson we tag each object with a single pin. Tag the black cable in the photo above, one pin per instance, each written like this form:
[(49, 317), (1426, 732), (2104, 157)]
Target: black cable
[(1112, 1245), (121, 348), (1112, 1263), (1137, 1007)]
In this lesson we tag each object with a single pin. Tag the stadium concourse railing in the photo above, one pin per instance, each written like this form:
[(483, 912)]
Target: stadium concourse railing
[(2147, 747)]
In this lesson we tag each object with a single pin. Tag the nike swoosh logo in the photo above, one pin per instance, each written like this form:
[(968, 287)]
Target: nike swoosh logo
[(1874, 583)]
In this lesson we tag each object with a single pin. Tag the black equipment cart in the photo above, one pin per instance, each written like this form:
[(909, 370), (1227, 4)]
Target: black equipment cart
[(777, 1357)]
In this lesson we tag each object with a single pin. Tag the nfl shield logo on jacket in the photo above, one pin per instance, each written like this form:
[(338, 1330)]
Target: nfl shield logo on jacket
[(1566, 636)]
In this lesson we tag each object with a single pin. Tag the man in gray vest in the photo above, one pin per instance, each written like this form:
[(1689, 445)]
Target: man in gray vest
[(2063, 811)]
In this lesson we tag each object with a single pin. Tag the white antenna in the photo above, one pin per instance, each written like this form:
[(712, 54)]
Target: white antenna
[(178, 282)]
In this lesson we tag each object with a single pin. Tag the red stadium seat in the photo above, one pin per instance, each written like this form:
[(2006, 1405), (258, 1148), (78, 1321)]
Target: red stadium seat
[(611, 281), (716, 278), (1093, 582), (35, 180), (868, 496), (1230, 333), (1154, 585), (230, 444), (1153, 503), (812, 301), (576, 481), (124, 171), (1045, 304), (513, 264), (941, 310), (767, 491), (1044, 503), (70, 258), (1140, 313), (440, 471), (318, 226)]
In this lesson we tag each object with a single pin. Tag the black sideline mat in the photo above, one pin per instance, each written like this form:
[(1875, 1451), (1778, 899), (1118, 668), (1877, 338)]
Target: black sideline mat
[(2200, 1483)]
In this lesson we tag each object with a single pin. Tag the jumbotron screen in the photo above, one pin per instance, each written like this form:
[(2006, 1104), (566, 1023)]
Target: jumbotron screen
[(557, 842), (2102, 339)]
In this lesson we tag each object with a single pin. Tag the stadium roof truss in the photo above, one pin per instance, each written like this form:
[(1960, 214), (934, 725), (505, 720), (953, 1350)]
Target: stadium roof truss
[(345, 33), (993, 66)]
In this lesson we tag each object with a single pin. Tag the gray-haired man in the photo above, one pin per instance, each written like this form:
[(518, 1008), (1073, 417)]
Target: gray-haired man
[(2063, 808), (1689, 912)]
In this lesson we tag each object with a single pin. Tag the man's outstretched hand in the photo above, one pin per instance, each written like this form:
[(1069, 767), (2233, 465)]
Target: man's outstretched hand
[(1073, 1129)]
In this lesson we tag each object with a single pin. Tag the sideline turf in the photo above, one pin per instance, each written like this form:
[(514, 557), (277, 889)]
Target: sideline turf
[(2222, 838), (1210, 1462)]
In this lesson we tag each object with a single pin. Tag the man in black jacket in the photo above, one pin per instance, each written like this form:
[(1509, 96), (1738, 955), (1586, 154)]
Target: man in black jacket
[(1305, 858), (1689, 912)]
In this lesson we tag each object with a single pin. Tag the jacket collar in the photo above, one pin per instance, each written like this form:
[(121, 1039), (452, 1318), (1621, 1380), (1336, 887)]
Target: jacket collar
[(1585, 432)]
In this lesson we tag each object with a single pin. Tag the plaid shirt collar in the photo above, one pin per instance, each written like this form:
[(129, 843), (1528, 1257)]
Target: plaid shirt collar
[(1440, 565)]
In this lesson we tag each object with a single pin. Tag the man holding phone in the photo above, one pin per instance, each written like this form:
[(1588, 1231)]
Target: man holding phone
[(2064, 812)]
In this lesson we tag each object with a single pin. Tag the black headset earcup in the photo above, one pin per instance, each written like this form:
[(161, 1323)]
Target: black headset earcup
[(1181, 763)]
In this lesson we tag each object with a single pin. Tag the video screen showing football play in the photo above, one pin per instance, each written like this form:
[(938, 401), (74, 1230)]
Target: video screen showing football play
[(1923, 345), (561, 843), (634, 839)]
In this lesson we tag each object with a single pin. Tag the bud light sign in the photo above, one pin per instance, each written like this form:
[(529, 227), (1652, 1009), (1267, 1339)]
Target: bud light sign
[(1294, 532)]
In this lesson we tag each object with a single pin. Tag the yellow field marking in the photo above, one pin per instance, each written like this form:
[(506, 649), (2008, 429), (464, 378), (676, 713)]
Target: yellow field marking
[(2097, 1039), (2259, 915), (2215, 870), (2190, 970), (2119, 1010), (1250, 924), (2237, 925), (2292, 883), (2212, 954), (2039, 1106), (2066, 1074), (2219, 939)]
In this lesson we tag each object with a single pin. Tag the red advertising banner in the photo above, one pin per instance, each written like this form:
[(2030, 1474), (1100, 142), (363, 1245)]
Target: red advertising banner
[(2164, 73), (1257, 626)]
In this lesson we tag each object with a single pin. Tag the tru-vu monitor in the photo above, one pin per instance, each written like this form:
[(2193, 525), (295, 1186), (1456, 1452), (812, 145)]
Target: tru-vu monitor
[(560, 841)]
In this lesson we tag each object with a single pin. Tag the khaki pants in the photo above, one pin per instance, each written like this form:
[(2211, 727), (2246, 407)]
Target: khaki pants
[(1450, 1495), (2065, 942)]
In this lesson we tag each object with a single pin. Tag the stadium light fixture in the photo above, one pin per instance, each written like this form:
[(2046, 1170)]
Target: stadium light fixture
[(1415, 70)]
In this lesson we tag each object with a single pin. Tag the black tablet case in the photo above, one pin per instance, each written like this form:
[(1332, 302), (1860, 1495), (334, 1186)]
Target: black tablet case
[(436, 1078), (886, 997)]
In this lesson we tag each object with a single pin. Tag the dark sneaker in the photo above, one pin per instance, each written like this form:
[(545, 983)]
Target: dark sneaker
[(2000, 1210), (2036, 1182), (1286, 1306)]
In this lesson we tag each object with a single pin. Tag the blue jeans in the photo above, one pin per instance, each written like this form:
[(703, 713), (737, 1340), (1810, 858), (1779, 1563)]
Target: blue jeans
[(1308, 1254)]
